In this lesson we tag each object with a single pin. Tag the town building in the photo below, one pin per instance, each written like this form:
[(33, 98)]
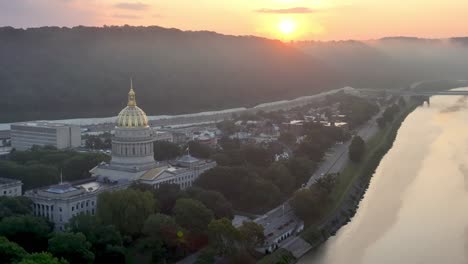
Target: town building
[(163, 136), (132, 162), (10, 187), (59, 203), (28, 134)]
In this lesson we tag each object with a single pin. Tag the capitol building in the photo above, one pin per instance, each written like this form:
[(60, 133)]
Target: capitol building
[(132, 162)]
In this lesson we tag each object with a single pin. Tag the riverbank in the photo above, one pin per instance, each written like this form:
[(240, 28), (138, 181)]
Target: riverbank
[(354, 181), (351, 186)]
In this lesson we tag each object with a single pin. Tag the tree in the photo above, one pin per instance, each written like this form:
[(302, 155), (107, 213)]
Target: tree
[(11, 206), (28, 231), (106, 241), (224, 237), (357, 149), (126, 209), (326, 182), (227, 127), (215, 201), (167, 195), (256, 155), (242, 187), (71, 246), (42, 258), (206, 256), (300, 168), (279, 174), (252, 234), (10, 252), (160, 226), (199, 150), (287, 138), (381, 122), (164, 150), (228, 144), (193, 215), (307, 204)]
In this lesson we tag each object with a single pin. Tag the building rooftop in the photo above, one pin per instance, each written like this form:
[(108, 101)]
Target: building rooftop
[(41, 124), (73, 189), (61, 188), (7, 181), (188, 159)]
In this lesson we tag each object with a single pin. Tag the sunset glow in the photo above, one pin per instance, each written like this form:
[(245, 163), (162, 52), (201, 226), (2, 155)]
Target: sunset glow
[(296, 19), (287, 27)]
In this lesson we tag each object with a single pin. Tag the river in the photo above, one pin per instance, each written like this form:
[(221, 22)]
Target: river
[(416, 208)]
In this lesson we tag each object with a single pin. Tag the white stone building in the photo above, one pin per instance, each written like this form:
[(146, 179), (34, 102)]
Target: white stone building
[(132, 161), (59, 203), (10, 187), (25, 135)]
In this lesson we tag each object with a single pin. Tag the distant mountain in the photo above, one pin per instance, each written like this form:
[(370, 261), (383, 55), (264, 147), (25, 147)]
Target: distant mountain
[(85, 71), (52, 73)]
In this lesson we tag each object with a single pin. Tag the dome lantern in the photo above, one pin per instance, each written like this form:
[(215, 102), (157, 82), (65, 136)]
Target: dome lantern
[(131, 95), (132, 116)]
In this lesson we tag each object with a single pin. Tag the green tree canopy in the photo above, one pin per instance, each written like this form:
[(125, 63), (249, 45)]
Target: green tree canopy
[(242, 187), (106, 241), (160, 226), (126, 209), (164, 150), (199, 150), (279, 174), (167, 195), (308, 204), (252, 234), (71, 246), (11, 206), (193, 215), (28, 231), (357, 149), (42, 258), (10, 252), (224, 237), (215, 201)]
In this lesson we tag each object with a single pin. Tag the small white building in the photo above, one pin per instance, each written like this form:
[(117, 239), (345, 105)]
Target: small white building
[(62, 136), (10, 187)]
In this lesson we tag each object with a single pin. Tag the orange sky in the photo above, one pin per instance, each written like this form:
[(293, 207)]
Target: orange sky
[(312, 19)]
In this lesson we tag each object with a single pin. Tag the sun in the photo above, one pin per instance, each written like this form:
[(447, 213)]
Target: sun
[(287, 26)]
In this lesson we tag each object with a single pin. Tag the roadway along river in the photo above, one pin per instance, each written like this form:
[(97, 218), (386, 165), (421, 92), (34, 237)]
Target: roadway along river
[(416, 208)]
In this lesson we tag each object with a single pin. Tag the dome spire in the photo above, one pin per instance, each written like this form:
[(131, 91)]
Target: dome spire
[(131, 95)]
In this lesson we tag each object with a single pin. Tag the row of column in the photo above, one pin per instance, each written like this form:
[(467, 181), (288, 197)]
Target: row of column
[(133, 149)]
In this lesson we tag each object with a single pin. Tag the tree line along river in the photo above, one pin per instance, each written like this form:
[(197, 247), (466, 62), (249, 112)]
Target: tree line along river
[(416, 207)]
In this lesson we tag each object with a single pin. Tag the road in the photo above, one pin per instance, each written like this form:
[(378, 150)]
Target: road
[(337, 156), (335, 161)]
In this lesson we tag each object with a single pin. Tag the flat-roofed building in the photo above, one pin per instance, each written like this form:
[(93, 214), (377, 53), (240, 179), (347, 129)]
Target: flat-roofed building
[(27, 134), (10, 187), (59, 203)]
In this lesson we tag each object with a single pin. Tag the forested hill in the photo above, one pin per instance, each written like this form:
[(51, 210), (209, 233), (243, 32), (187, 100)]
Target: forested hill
[(52, 73)]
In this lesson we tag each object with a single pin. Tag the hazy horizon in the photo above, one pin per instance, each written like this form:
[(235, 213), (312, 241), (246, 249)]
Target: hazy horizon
[(256, 36), (275, 19)]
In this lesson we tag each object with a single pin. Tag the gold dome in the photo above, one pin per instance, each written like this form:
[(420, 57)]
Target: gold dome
[(132, 115)]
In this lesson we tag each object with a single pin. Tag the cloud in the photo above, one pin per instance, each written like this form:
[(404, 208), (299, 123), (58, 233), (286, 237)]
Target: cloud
[(293, 10), (126, 16), (132, 6)]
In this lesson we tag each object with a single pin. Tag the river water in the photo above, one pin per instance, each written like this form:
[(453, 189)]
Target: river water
[(416, 208)]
